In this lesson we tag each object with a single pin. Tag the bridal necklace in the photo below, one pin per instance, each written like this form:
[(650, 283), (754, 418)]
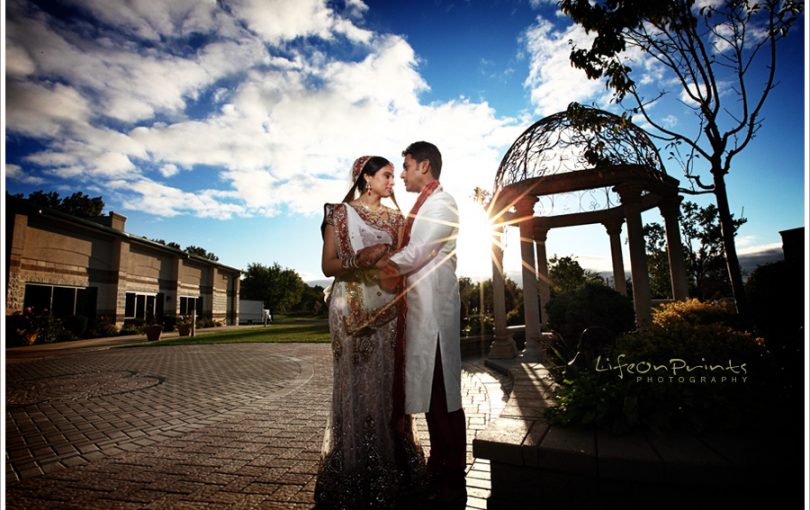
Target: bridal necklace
[(368, 207)]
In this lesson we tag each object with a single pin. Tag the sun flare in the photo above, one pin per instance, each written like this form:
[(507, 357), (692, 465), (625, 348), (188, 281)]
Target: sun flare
[(474, 244)]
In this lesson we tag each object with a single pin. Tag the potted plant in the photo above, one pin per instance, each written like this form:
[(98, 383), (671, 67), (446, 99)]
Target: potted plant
[(153, 329), (183, 325)]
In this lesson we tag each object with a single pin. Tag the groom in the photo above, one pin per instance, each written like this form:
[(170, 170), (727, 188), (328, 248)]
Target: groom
[(432, 355)]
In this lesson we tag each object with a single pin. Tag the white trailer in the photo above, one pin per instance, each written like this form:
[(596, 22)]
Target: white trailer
[(251, 311)]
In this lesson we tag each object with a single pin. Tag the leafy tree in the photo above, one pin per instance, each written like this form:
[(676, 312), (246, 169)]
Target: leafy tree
[(202, 252), (710, 50), (702, 248), (171, 244), (312, 302), (567, 275), (657, 261), (279, 288), (470, 294), (43, 200), (77, 204)]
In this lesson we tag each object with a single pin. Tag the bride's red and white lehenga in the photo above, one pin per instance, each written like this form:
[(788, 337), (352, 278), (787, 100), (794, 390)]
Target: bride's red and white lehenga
[(365, 463)]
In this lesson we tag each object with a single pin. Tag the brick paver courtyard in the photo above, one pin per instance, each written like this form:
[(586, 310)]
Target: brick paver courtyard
[(222, 426)]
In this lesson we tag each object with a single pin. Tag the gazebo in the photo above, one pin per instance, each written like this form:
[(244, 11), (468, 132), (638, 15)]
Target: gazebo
[(578, 167)]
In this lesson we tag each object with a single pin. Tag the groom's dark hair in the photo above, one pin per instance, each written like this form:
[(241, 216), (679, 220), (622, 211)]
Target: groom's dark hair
[(421, 151)]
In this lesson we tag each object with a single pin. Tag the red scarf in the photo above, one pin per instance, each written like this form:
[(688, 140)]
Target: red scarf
[(398, 417)]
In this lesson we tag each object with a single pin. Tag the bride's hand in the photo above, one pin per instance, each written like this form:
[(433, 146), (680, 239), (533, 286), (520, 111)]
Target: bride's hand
[(368, 256)]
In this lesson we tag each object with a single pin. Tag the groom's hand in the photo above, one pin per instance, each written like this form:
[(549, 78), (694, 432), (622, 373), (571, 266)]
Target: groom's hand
[(389, 274)]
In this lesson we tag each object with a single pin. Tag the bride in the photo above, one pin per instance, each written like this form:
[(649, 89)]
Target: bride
[(366, 462)]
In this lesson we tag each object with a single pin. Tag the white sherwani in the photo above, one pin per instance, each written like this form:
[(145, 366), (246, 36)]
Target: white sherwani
[(434, 309)]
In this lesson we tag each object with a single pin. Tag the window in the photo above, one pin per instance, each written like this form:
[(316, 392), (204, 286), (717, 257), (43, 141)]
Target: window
[(139, 306), (190, 305), (60, 301), (38, 298), (129, 305)]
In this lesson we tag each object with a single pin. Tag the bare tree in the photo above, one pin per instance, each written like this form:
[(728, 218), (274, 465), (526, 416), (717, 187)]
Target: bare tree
[(722, 55)]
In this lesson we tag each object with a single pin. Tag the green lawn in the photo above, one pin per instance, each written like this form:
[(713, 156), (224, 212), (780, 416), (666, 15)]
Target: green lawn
[(287, 331)]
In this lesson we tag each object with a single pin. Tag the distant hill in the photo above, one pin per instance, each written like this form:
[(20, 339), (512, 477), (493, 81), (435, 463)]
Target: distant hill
[(322, 283), (751, 261)]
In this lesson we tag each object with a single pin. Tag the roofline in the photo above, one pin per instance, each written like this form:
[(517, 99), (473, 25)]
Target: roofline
[(23, 203)]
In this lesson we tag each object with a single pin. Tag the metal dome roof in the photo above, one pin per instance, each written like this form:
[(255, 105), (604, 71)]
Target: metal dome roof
[(579, 138)]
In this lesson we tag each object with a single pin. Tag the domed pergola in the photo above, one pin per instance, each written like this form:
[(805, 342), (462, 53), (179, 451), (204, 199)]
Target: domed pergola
[(579, 167)]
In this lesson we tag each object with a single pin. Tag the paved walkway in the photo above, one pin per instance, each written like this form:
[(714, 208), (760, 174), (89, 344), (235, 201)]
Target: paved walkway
[(204, 426)]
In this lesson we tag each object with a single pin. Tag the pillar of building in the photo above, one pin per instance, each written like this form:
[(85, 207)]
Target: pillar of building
[(671, 211), (15, 284), (120, 258), (531, 308), (503, 346), (614, 230), (631, 205), (543, 281)]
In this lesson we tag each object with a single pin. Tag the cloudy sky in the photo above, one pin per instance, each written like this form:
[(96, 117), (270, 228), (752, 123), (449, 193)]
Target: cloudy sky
[(228, 124)]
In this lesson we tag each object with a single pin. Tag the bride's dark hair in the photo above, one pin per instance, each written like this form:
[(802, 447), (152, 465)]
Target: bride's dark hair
[(372, 166)]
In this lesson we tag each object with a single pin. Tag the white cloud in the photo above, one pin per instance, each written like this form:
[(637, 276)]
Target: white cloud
[(18, 62), (169, 170), (16, 173), (283, 130), (747, 247), (153, 20), (166, 201), (277, 21), (552, 80), (44, 109), (129, 82)]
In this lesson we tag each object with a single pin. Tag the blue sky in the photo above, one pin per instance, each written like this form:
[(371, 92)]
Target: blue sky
[(228, 124)]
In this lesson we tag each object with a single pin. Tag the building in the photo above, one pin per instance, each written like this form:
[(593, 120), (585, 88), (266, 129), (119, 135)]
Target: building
[(93, 267)]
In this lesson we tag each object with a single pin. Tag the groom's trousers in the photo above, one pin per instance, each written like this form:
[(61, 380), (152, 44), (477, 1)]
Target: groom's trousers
[(448, 436)]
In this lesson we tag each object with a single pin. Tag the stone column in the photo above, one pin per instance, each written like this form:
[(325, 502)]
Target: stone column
[(120, 264), (531, 308), (503, 347), (671, 211), (15, 287), (614, 230), (543, 281), (631, 204)]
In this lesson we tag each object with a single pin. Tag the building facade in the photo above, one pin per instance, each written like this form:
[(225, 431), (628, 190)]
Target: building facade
[(92, 267)]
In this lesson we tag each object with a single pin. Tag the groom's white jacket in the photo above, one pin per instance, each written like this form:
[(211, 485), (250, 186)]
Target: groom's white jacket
[(429, 262)]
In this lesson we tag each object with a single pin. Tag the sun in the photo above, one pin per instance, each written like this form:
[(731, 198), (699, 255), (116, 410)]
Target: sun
[(474, 244)]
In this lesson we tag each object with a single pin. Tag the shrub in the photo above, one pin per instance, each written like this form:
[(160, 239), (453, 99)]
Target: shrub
[(776, 297), (590, 306), (515, 316), (696, 312), (570, 313), (169, 322), (132, 327), (101, 326), (76, 325), (27, 328), (473, 325), (689, 333), (20, 330), (205, 322)]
